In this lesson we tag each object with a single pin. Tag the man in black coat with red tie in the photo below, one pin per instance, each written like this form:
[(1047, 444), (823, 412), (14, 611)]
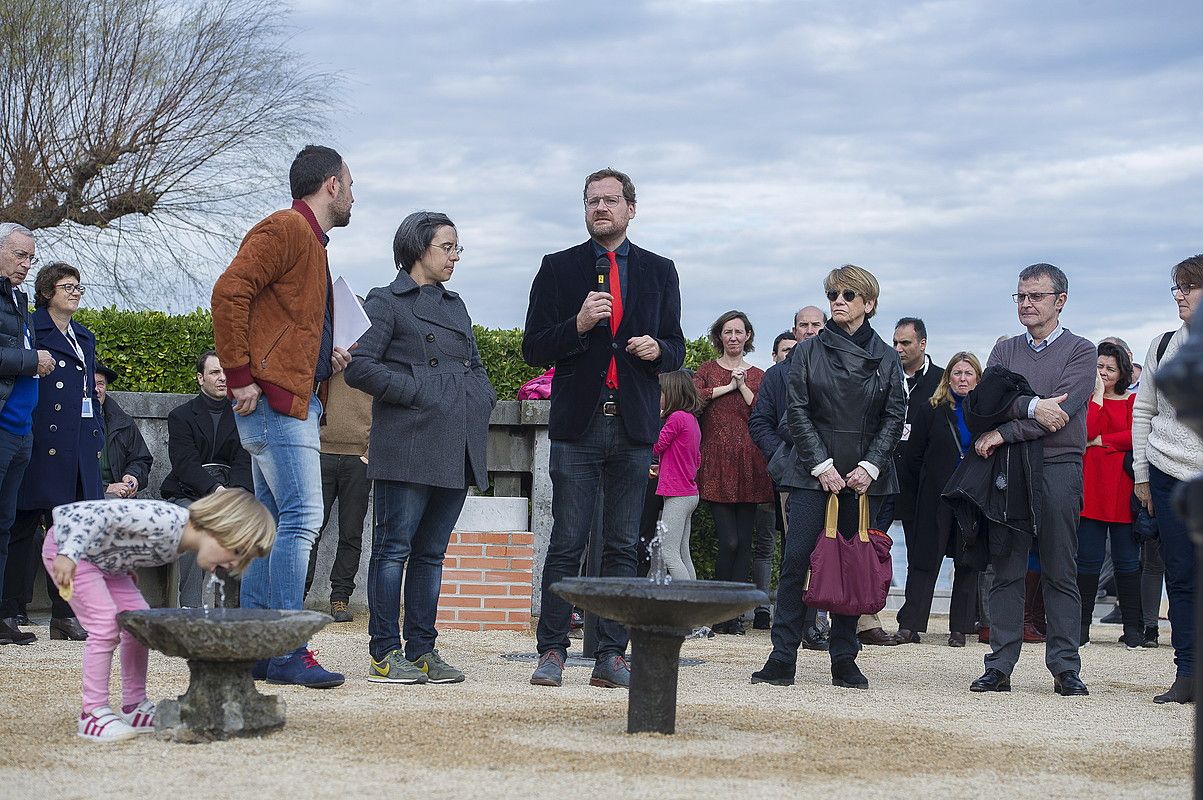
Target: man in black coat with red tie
[(607, 314)]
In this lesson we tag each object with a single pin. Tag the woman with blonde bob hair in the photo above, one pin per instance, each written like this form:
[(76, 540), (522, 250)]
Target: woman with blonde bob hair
[(844, 417), (939, 440)]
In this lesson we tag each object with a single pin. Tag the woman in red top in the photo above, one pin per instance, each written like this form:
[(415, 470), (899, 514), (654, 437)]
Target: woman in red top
[(733, 477), (1107, 496)]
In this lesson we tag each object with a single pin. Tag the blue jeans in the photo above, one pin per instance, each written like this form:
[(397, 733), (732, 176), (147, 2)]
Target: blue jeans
[(14, 457), (1092, 544), (286, 467), (413, 524), (1178, 551), (604, 457)]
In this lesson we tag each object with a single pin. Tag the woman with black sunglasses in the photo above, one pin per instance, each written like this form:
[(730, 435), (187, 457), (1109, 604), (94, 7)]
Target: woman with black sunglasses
[(845, 414)]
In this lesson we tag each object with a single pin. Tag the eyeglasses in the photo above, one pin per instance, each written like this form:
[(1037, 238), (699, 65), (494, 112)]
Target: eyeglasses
[(1035, 297), (610, 200), (448, 247), (849, 295), (71, 288), (21, 255), (1182, 288)]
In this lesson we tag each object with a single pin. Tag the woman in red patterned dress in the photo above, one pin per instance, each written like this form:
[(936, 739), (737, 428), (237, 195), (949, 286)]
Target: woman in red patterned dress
[(733, 478)]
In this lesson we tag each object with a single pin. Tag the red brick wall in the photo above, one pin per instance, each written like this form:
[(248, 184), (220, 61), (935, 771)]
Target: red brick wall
[(487, 581)]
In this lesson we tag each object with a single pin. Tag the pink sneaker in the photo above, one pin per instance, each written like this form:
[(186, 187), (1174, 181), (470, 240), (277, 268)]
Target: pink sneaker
[(102, 725), (141, 717)]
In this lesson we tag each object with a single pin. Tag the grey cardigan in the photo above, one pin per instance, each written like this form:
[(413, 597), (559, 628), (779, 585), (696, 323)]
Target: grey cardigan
[(431, 396)]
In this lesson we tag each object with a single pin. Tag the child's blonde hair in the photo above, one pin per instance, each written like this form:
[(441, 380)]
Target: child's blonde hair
[(237, 521)]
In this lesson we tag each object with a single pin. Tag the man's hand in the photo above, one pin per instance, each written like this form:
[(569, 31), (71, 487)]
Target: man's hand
[(644, 347), (595, 308), (858, 480), (340, 358), (987, 443), (831, 481), (45, 363), (1141, 490), (1049, 414), (62, 571), (246, 398)]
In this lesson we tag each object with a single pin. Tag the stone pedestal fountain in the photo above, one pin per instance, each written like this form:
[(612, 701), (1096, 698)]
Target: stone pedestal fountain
[(659, 615), (221, 645)]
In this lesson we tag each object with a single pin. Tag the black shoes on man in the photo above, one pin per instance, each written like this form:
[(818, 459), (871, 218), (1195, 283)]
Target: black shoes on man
[(1066, 684)]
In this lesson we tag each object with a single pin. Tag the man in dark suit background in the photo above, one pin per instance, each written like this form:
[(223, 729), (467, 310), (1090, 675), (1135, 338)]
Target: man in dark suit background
[(922, 378), (206, 456), (608, 348)]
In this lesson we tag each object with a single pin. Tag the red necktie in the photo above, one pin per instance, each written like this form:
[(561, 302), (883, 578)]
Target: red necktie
[(615, 317)]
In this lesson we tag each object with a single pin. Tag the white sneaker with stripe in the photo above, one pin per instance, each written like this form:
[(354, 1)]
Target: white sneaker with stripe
[(142, 718), (102, 725)]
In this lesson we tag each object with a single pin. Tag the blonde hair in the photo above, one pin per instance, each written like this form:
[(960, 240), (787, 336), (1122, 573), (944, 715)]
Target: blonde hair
[(943, 394), (237, 521), (859, 280)]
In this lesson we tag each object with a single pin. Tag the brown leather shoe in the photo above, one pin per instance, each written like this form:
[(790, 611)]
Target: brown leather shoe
[(877, 636), (1031, 634), (67, 628)]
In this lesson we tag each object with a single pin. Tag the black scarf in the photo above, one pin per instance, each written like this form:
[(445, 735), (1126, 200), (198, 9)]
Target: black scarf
[(864, 334)]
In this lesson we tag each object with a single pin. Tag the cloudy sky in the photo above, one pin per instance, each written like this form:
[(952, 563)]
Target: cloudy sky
[(942, 145)]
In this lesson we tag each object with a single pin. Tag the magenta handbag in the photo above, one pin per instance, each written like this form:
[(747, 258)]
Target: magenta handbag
[(849, 576)]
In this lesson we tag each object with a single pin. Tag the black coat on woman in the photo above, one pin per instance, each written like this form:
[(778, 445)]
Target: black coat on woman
[(933, 454), (65, 465)]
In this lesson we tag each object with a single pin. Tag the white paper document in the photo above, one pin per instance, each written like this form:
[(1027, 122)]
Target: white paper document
[(350, 320)]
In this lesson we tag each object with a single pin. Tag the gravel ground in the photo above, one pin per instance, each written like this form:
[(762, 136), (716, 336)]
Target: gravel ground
[(917, 732)]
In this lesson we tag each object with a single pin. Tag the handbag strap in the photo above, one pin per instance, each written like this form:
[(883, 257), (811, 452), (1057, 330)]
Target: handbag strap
[(833, 515), (864, 518)]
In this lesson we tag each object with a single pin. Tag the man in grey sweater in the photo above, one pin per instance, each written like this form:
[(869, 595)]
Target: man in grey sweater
[(1061, 369)]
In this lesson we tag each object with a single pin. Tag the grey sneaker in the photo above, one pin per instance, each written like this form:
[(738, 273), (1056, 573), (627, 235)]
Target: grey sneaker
[(340, 612), (393, 668), (550, 671), (611, 672), (436, 669)]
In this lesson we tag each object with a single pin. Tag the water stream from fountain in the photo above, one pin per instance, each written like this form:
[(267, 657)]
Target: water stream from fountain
[(658, 572), (214, 594)]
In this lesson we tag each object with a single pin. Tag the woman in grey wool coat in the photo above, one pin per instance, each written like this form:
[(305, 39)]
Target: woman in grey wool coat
[(430, 422)]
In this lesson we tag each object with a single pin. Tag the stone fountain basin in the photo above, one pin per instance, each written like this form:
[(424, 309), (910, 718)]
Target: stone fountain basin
[(222, 634), (639, 602)]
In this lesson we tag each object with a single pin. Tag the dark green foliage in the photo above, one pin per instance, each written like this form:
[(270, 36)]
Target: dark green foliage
[(501, 352), (150, 351)]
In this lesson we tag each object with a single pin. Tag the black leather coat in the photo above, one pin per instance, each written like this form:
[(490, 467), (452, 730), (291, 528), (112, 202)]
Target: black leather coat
[(846, 403)]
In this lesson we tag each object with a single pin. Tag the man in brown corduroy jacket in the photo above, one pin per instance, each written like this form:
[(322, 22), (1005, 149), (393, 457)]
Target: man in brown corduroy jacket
[(273, 323)]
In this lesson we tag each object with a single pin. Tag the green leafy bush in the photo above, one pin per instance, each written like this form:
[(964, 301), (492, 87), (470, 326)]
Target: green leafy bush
[(149, 350)]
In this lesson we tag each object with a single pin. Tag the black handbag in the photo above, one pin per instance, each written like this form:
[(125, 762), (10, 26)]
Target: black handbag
[(1144, 525)]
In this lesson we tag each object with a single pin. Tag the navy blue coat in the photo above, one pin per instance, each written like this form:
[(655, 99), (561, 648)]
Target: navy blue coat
[(65, 465), (652, 308)]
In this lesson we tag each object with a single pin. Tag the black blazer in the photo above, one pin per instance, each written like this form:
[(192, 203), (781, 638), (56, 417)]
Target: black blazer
[(908, 474), (933, 455), (652, 308), (190, 444)]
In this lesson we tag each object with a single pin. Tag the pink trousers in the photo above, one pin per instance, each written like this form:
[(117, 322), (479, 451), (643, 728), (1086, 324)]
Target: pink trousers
[(96, 600)]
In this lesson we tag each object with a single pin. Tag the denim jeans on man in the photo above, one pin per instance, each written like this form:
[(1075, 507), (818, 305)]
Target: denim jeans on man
[(14, 456), (286, 467), (1178, 552), (413, 526), (604, 458)]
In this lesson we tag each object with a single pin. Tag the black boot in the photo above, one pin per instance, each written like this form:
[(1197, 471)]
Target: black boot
[(1127, 587), (1088, 586)]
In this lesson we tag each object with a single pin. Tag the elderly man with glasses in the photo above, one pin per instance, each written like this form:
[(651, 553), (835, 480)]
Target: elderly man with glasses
[(1060, 369), (21, 364)]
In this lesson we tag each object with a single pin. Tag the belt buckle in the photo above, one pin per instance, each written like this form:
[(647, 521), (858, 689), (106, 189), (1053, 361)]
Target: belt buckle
[(610, 409)]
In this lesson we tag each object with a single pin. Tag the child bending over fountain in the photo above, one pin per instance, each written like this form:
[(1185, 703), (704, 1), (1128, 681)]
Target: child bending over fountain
[(91, 553)]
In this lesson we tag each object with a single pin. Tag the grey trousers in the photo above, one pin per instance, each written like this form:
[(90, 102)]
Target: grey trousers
[(677, 515), (1152, 578), (764, 544), (1058, 542)]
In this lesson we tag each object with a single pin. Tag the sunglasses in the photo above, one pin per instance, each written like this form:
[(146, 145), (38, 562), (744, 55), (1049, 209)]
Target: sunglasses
[(849, 295)]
